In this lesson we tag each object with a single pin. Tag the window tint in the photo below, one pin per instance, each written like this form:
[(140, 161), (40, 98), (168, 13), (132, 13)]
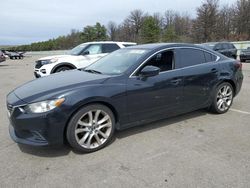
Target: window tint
[(108, 48), (209, 57), (191, 57), (225, 46), (218, 47), (127, 45), (163, 60), (231, 46), (94, 49)]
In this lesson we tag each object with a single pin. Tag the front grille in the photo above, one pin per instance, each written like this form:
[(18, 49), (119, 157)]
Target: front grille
[(38, 64)]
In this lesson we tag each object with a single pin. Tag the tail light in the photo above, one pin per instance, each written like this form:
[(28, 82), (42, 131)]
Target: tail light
[(238, 65)]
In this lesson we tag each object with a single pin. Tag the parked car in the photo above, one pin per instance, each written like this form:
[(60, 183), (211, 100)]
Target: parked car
[(245, 55), (128, 87), (79, 57), (2, 57), (14, 55), (225, 48)]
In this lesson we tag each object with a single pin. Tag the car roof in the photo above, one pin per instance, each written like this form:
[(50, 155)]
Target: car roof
[(163, 45), (109, 42), (213, 43)]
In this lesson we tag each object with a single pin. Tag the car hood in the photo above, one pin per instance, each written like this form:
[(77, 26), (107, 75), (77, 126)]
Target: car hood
[(56, 84), (54, 56), (65, 57)]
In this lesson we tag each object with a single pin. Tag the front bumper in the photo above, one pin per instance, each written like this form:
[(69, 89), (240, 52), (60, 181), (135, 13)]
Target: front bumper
[(37, 75), (37, 129), (27, 139), (40, 73)]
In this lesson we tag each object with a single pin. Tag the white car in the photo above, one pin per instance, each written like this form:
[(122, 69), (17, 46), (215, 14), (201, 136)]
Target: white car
[(79, 57)]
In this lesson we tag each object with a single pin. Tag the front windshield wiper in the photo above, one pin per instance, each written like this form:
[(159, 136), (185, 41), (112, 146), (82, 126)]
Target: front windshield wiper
[(92, 71)]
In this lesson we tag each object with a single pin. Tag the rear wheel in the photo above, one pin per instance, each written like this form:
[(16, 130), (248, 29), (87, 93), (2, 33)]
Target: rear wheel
[(91, 128), (223, 98)]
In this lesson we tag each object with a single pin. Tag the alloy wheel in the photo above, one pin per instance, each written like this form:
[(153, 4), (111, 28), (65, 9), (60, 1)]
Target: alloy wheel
[(224, 98), (93, 129)]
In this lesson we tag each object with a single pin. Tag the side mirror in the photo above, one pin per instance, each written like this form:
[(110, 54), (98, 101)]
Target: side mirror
[(149, 71), (85, 53)]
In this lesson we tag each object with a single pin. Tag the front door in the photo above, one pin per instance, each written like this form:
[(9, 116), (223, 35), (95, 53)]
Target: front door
[(157, 96)]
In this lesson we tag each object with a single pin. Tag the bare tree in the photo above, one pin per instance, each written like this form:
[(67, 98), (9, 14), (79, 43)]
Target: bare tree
[(135, 20), (169, 18), (204, 27), (242, 19), (224, 28)]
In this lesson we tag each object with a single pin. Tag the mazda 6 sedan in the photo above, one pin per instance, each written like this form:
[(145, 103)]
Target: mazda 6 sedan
[(129, 87)]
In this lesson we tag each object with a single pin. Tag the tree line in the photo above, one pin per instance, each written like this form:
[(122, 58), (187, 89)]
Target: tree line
[(212, 23)]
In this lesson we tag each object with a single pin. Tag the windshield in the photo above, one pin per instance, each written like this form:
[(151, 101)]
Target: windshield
[(78, 49), (117, 62)]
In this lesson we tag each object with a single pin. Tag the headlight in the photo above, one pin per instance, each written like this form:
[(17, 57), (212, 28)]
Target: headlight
[(44, 106), (53, 60), (48, 61)]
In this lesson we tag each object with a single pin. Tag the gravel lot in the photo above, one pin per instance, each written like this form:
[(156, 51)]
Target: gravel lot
[(198, 149)]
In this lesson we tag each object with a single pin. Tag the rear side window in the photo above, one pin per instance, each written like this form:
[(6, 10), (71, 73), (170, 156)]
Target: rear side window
[(190, 57), (108, 48), (209, 57)]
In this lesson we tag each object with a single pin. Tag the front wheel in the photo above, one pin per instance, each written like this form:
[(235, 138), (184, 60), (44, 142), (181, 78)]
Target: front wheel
[(223, 98), (91, 128), (63, 68)]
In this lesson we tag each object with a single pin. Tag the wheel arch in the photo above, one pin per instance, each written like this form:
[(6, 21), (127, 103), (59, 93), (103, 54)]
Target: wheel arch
[(232, 84), (220, 82), (62, 65), (102, 102)]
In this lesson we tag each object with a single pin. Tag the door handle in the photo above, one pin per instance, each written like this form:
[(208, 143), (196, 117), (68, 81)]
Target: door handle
[(176, 81), (214, 70)]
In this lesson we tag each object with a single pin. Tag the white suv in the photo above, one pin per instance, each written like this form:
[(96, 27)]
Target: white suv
[(79, 57)]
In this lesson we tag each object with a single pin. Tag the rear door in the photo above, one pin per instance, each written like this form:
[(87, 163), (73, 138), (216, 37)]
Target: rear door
[(200, 72)]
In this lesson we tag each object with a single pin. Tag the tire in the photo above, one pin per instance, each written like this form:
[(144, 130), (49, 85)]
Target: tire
[(223, 98), (84, 135), (61, 69)]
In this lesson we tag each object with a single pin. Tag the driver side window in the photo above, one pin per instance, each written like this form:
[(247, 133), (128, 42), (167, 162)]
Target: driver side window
[(163, 60), (93, 49)]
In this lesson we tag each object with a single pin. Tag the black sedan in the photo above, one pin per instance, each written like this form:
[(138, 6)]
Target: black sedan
[(129, 87)]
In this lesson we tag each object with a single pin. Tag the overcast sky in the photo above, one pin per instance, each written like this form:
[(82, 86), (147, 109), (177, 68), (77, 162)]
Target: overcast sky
[(26, 21)]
